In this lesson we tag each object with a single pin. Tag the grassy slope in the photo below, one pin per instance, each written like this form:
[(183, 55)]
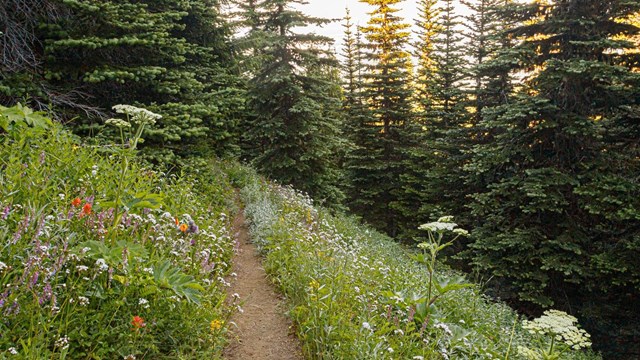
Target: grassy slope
[(355, 294), (73, 284)]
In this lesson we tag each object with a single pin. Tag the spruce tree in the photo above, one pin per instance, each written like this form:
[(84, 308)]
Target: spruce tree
[(376, 171), (293, 136), (171, 57), (560, 214), (412, 204), (446, 120)]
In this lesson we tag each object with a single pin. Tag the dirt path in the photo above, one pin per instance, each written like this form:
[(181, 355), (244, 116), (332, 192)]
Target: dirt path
[(261, 331)]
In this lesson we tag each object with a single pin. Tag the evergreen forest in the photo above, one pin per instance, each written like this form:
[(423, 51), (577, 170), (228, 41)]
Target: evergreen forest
[(517, 120)]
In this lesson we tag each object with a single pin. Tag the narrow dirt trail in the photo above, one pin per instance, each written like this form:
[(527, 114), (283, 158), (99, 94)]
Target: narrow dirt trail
[(261, 331)]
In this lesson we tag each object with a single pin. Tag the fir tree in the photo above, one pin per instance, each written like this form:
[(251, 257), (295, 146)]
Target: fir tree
[(171, 57), (446, 120), (294, 135), (376, 170), (411, 204), (560, 215)]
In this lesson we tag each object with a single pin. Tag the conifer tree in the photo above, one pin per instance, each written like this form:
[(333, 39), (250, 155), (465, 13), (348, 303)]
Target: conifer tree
[(376, 171), (446, 120), (560, 215), (412, 204), (294, 134), (171, 57)]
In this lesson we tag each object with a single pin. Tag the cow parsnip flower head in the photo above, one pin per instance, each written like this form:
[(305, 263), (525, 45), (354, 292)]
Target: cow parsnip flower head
[(118, 123), (562, 326), (137, 114), (438, 226)]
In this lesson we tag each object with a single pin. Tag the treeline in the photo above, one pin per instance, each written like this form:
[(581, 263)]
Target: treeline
[(520, 119)]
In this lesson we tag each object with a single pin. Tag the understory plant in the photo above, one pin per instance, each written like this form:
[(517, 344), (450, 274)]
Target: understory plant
[(103, 257), (356, 294)]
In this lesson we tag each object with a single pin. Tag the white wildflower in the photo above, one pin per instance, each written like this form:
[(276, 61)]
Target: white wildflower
[(13, 351), (390, 349), (119, 123), (83, 301), (2, 266), (102, 265), (444, 327), (62, 342), (560, 325), (82, 268), (438, 226), (143, 302), (148, 270)]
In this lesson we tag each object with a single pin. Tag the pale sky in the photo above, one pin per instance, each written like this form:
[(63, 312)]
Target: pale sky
[(335, 9)]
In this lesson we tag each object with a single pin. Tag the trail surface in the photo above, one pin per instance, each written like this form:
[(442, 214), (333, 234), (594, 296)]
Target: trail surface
[(261, 330)]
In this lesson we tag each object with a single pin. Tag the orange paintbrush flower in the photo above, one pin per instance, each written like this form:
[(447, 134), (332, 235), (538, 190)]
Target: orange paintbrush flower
[(86, 209), (137, 322), (184, 227), (76, 202)]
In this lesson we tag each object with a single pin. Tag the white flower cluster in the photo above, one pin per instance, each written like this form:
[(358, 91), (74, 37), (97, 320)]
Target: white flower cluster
[(560, 325), (443, 224), (118, 123), (137, 114)]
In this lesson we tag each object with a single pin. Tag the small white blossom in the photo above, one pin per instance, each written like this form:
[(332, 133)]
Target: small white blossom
[(82, 268), (62, 342), (2, 266), (83, 301), (102, 265), (13, 351), (143, 302)]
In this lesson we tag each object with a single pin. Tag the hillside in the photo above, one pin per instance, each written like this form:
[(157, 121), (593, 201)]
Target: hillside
[(104, 257)]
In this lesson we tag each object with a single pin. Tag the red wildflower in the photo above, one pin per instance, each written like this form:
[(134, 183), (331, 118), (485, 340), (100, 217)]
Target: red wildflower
[(177, 222), (76, 202), (137, 323), (86, 209)]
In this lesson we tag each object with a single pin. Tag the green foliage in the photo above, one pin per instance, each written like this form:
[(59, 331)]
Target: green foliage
[(380, 133), (546, 220), (171, 57), (356, 294), (293, 133), (74, 285)]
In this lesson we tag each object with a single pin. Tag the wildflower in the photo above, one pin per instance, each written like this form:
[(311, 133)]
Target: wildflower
[(184, 227), (118, 123), (76, 202), (560, 325), (366, 326), (13, 351), (102, 265), (215, 325), (137, 322), (2, 266), (444, 328), (193, 228), (390, 349), (143, 302), (130, 357), (62, 342), (86, 210), (314, 284), (83, 301), (82, 268), (438, 226), (177, 222)]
